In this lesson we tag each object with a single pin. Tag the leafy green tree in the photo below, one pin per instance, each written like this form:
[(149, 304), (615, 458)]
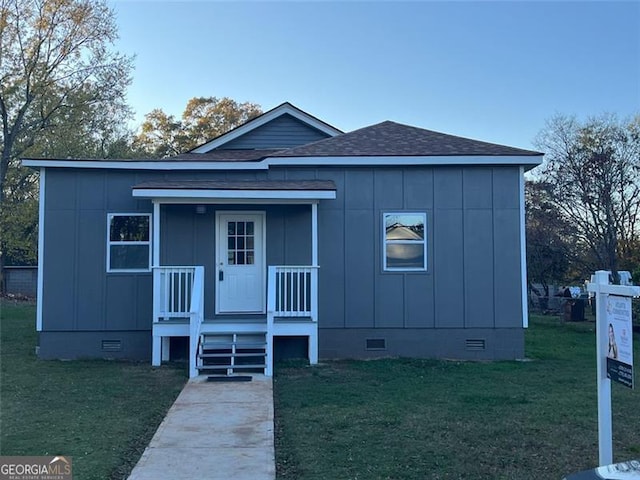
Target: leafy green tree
[(57, 72), (62, 94), (592, 176), (204, 118)]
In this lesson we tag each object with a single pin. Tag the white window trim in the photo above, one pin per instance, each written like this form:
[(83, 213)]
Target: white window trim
[(385, 268), (110, 243)]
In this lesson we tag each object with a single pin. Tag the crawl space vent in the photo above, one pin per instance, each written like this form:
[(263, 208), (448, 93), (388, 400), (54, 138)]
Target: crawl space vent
[(376, 344), (475, 344), (111, 345)]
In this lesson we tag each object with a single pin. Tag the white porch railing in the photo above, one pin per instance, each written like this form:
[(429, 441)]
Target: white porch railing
[(292, 292), (178, 293), (172, 289)]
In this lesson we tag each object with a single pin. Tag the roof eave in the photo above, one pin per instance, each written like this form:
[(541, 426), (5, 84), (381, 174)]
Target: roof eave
[(379, 160)]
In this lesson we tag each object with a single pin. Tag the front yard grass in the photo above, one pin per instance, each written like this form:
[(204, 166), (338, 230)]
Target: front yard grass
[(426, 419), (101, 413)]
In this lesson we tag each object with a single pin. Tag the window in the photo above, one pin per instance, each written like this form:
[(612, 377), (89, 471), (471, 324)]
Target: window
[(240, 243), (405, 245), (128, 242)]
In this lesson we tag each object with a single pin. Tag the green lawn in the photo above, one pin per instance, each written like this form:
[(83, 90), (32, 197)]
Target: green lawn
[(101, 413), (383, 419), (426, 419)]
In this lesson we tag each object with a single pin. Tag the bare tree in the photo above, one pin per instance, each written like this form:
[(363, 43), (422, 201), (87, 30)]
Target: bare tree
[(550, 249), (592, 173)]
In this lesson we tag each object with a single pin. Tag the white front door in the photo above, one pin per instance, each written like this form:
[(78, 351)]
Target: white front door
[(240, 263)]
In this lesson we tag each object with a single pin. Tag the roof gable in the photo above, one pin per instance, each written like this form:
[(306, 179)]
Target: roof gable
[(396, 140), (282, 132), (284, 112)]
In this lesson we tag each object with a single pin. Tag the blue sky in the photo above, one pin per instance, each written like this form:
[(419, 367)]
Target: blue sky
[(494, 71)]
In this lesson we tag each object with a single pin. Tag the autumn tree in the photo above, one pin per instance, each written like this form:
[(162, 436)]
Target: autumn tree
[(592, 176), (204, 118), (62, 94)]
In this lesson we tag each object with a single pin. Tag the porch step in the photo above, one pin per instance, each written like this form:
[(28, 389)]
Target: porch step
[(228, 345), (229, 352), (233, 367), (237, 355)]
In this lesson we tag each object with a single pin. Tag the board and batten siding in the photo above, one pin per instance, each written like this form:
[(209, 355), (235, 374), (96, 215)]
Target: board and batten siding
[(473, 265), (472, 283), (82, 304), (282, 132), (472, 286)]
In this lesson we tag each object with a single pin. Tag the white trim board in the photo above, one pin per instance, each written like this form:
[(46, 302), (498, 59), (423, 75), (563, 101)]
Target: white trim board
[(144, 164), (390, 160), (523, 252), (232, 201), (40, 287), (528, 161), (235, 194)]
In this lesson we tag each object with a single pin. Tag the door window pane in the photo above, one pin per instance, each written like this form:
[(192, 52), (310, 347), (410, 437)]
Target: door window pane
[(241, 243)]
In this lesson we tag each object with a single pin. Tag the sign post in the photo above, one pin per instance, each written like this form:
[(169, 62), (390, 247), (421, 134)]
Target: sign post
[(610, 312)]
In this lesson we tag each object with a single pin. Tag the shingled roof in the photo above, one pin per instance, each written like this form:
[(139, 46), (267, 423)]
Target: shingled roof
[(226, 155), (395, 139)]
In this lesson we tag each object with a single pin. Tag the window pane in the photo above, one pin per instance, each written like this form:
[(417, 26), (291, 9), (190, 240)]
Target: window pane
[(129, 228), (129, 257), (240, 228), (404, 227), (231, 228), (405, 255), (231, 244), (250, 258), (249, 228), (240, 258), (250, 243), (231, 258), (240, 243)]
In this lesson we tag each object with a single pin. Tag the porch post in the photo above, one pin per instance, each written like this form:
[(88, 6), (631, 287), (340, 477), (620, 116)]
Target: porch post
[(157, 354), (313, 346), (156, 234), (313, 338), (314, 234), (156, 348), (166, 341)]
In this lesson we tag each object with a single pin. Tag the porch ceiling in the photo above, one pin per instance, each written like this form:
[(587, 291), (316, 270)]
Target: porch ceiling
[(240, 190)]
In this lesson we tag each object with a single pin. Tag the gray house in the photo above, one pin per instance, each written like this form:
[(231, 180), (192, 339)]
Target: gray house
[(286, 234)]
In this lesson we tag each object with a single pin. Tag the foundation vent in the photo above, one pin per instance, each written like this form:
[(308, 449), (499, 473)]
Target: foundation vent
[(111, 345), (376, 344), (475, 344)]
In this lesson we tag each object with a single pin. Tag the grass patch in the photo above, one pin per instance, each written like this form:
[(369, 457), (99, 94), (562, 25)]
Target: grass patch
[(101, 413), (428, 419)]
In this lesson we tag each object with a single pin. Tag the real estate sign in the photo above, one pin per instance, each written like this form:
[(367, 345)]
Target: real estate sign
[(620, 344)]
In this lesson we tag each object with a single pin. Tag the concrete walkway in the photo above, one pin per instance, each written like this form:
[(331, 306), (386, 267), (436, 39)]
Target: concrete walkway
[(214, 430)]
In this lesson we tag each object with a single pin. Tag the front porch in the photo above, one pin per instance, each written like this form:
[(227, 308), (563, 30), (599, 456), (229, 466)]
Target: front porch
[(251, 275), (224, 345)]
